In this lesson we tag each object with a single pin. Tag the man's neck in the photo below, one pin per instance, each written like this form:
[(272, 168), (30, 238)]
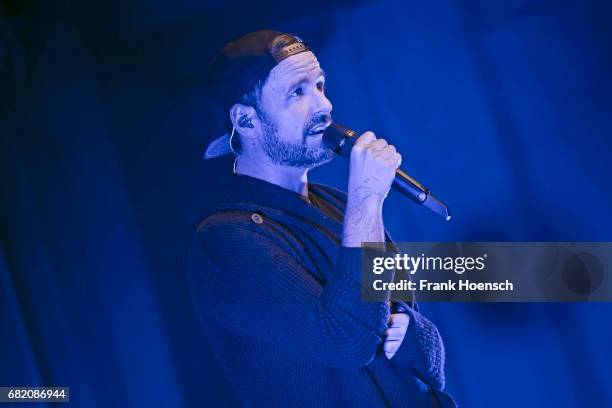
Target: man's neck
[(290, 178)]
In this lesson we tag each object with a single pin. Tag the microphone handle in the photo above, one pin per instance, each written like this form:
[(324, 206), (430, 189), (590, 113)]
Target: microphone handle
[(409, 187), (418, 193)]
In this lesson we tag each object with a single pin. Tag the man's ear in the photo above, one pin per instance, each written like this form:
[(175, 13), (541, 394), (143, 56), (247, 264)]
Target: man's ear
[(242, 117)]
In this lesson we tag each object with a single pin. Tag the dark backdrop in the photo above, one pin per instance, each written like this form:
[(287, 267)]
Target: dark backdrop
[(503, 108)]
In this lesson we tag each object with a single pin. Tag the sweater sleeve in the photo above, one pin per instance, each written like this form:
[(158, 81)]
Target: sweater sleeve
[(422, 350), (247, 281)]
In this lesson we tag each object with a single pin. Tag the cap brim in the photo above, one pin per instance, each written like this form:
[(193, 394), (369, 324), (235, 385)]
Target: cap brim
[(218, 147)]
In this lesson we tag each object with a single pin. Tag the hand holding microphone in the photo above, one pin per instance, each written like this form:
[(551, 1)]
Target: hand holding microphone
[(342, 140), (373, 163), (372, 166)]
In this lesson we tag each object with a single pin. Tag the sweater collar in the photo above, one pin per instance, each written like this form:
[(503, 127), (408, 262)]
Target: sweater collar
[(252, 190)]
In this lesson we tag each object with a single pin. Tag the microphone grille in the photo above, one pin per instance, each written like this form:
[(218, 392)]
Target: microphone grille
[(340, 139)]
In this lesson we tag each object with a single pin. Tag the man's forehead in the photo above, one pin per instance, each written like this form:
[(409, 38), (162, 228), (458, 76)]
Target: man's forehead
[(304, 63)]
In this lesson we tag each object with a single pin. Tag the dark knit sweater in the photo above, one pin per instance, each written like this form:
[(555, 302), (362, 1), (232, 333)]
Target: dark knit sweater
[(279, 299)]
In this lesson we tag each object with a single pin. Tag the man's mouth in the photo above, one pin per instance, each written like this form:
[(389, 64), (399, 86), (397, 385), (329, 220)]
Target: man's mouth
[(319, 130)]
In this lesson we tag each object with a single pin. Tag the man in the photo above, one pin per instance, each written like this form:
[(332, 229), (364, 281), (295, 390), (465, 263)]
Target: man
[(274, 263)]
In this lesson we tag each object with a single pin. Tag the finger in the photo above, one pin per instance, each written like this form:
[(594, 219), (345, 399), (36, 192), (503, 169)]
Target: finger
[(398, 318), (395, 337), (398, 326), (391, 347), (387, 152), (395, 160), (378, 145), (395, 333), (365, 139), (392, 331)]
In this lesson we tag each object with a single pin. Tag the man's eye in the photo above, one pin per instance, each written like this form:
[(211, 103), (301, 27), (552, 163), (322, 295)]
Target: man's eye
[(298, 92), (321, 86)]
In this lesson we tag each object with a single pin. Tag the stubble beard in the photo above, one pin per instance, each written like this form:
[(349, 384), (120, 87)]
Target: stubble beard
[(292, 154)]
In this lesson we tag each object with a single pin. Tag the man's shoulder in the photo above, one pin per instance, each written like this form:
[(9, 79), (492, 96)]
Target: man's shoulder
[(223, 235), (226, 219), (237, 220)]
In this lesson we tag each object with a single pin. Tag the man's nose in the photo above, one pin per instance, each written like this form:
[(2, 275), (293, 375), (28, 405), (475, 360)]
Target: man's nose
[(323, 104)]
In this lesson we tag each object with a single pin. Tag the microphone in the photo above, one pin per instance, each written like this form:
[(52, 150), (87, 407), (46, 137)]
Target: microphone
[(341, 139)]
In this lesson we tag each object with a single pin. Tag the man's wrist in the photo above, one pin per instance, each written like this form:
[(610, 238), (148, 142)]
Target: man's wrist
[(365, 197)]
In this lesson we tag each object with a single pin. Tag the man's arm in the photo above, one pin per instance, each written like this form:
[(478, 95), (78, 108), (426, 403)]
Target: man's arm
[(247, 282), (372, 170), (413, 344)]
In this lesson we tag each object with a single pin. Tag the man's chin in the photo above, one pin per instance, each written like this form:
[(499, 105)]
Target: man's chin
[(320, 156), (311, 154)]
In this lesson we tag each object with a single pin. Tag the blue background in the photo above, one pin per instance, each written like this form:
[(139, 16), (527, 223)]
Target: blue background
[(502, 108)]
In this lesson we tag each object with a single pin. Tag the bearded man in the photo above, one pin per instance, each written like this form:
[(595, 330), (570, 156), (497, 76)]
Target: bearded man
[(274, 264)]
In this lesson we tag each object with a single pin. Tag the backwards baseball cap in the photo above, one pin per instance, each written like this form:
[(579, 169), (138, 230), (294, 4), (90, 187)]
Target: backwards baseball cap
[(235, 71)]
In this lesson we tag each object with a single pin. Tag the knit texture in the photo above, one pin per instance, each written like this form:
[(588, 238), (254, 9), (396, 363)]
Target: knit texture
[(279, 299)]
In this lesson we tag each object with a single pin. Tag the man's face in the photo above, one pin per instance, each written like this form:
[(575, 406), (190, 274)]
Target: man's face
[(294, 112)]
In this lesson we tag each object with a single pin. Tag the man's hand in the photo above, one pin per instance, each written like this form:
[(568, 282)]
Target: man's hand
[(394, 335), (371, 173), (372, 167)]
